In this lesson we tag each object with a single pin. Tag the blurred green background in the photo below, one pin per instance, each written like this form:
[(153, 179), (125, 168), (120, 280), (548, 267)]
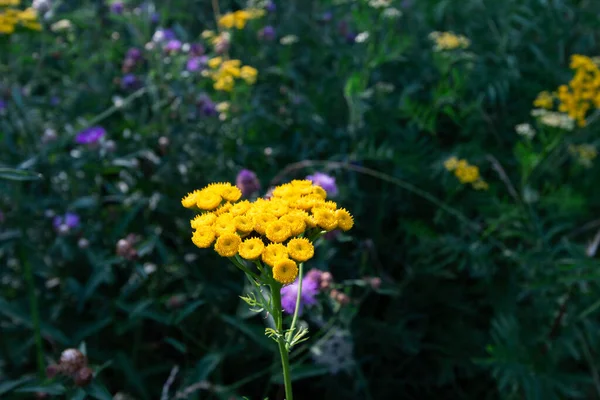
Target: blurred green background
[(483, 294)]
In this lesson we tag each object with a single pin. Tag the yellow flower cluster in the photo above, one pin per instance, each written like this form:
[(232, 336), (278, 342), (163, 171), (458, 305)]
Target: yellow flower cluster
[(449, 41), (10, 18), (239, 18), (583, 91), (585, 153), (274, 230), (544, 100), (466, 173), (224, 73)]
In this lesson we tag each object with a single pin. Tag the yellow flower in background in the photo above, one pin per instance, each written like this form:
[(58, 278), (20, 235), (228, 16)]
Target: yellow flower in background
[(249, 74), (466, 173), (10, 2), (11, 17), (207, 34), (584, 153), (451, 164), (238, 19), (544, 100), (445, 41), (225, 83), (227, 21), (215, 62)]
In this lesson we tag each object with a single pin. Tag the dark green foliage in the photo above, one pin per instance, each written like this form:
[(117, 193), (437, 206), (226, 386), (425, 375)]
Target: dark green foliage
[(485, 295)]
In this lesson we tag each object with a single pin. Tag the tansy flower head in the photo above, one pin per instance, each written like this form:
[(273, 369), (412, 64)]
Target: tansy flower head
[(206, 219), (300, 249), (261, 220), (295, 222), (249, 74), (203, 237), (227, 244), (243, 224), (224, 224), (451, 163), (251, 249), (240, 208), (231, 193), (344, 220), (273, 253), (278, 231), (208, 200), (189, 200), (285, 271), (325, 218)]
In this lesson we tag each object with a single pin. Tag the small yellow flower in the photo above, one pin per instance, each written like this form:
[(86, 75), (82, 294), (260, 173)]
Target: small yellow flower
[(344, 219), (224, 224), (261, 220), (203, 237), (206, 219), (273, 253), (467, 174), (189, 201), (243, 224), (480, 185), (227, 21), (207, 34), (295, 222), (451, 164), (285, 271), (331, 205), (319, 191), (222, 106), (10, 2), (325, 218), (206, 200), (215, 62), (300, 249), (241, 17), (232, 193), (240, 208), (227, 244), (278, 207), (28, 15), (278, 231), (225, 84), (249, 74), (544, 100), (251, 249), (223, 209)]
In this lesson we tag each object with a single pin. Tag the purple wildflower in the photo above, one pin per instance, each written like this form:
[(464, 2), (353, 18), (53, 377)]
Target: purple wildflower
[(90, 135), (54, 100), (206, 106), (130, 81), (64, 223), (247, 182), (346, 32), (267, 33), (2, 105), (271, 7), (173, 46), (163, 35), (196, 49), (325, 181), (154, 18), (117, 7), (327, 16), (134, 54), (194, 64), (310, 289)]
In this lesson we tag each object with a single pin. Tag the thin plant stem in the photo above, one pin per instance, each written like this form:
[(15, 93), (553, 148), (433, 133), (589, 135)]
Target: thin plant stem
[(285, 362), (295, 318), (35, 315), (241, 266)]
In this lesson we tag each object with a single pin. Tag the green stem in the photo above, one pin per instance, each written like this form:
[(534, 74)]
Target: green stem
[(288, 337), (35, 315), (285, 362), (241, 266)]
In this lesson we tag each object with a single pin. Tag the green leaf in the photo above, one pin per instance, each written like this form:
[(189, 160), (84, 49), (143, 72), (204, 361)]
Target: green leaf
[(176, 344), (98, 391), (53, 388), (132, 376), (12, 174), (205, 366), (190, 308), (254, 332), (6, 387)]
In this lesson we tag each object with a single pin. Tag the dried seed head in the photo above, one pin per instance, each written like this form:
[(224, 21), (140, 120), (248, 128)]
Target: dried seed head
[(72, 360), (83, 377)]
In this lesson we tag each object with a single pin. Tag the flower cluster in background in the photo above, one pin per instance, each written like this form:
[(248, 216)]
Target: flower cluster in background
[(12, 17), (584, 154), (446, 41), (582, 93), (224, 73), (466, 173), (525, 130), (238, 19)]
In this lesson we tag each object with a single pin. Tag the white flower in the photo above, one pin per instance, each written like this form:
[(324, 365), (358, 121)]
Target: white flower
[(525, 130), (391, 13), (362, 37), (288, 39), (61, 25), (379, 3)]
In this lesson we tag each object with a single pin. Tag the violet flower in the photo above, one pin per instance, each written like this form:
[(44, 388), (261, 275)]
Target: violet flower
[(163, 35), (129, 82), (173, 46), (325, 181), (90, 135), (310, 289), (196, 49), (271, 7), (206, 106), (134, 54), (117, 7), (247, 182), (194, 64), (267, 33), (64, 223), (2, 105)]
